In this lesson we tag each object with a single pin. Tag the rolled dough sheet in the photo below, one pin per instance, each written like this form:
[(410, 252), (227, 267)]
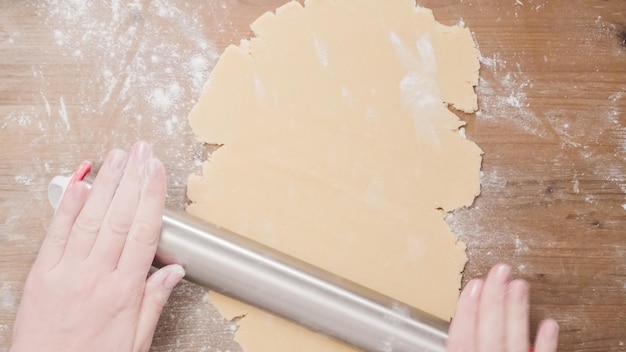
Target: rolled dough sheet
[(337, 147)]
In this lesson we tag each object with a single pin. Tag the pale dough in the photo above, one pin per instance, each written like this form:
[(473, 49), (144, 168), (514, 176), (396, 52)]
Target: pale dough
[(338, 148)]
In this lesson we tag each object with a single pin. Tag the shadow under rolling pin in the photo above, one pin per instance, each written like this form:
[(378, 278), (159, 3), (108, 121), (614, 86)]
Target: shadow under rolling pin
[(253, 273)]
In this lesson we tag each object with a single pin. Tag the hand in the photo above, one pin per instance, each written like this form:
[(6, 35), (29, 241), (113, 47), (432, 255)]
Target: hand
[(493, 316), (87, 290)]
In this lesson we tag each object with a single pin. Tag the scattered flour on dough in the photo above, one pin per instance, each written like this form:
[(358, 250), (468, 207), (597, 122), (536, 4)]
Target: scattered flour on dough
[(355, 117)]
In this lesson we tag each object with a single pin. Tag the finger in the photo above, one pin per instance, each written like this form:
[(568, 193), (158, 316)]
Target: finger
[(143, 237), (121, 212), (547, 337), (89, 221), (55, 242), (517, 317), (156, 293), (462, 333), (491, 316)]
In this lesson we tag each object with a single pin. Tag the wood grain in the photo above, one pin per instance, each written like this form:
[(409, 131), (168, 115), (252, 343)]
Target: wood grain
[(552, 125)]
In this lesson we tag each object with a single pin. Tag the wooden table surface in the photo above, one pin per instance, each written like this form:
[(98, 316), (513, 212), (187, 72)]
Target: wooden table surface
[(77, 79)]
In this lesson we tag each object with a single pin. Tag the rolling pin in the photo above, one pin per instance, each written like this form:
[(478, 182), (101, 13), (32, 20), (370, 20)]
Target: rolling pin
[(323, 302)]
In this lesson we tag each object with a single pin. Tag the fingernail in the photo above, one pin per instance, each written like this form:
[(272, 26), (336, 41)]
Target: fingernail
[(173, 278), (117, 159), (552, 327), (142, 150), (503, 273), (474, 289), (151, 166)]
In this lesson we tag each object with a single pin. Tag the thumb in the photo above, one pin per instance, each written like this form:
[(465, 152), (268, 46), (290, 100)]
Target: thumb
[(158, 288)]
